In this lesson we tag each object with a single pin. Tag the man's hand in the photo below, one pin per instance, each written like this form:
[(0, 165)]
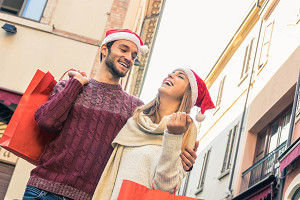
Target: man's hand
[(80, 76), (189, 156), (178, 123)]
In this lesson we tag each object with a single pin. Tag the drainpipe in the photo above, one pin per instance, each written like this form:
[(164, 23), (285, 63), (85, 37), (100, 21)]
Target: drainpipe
[(289, 140), (244, 113)]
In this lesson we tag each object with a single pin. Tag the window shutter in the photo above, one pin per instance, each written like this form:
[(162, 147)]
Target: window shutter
[(266, 45), (226, 151)]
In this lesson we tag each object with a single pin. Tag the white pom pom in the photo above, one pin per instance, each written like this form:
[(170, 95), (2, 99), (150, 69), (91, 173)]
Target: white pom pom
[(144, 49), (200, 117)]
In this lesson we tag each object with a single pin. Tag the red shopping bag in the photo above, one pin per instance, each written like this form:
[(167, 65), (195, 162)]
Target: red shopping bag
[(22, 136), (134, 191)]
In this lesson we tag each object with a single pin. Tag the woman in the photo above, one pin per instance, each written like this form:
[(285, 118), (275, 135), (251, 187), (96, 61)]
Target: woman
[(147, 149)]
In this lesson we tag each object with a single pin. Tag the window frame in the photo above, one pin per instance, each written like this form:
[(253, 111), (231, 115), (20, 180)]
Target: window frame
[(231, 140), (203, 172), (20, 14), (220, 94), (265, 46), (268, 131)]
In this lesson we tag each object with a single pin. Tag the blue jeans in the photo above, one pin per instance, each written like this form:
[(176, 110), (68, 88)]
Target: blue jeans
[(35, 193)]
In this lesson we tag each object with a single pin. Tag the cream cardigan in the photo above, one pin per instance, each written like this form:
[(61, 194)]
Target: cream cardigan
[(143, 152)]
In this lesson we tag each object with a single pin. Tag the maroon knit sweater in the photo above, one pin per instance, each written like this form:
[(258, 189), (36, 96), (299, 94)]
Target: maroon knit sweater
[(86, 119)]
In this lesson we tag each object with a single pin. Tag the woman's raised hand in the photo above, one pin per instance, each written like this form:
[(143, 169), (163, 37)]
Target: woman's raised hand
[(178, 123)]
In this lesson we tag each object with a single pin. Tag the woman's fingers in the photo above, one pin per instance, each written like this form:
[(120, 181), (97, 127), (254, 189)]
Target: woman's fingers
[(178, 123)]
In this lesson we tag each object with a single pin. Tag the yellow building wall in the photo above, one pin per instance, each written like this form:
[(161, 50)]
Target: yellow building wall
[(29, 49), (71, 16)]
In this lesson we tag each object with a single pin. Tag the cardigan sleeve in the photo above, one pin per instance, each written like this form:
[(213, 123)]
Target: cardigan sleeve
[(51, 115), (169, 171)]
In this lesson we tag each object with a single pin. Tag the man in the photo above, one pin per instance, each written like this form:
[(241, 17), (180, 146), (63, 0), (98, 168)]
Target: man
[(87, 114)]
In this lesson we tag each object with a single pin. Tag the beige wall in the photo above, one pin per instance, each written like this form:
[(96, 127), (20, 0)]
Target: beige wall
[(272, 99), (261, 111), (29, 49), (71, 16), (133, 19)]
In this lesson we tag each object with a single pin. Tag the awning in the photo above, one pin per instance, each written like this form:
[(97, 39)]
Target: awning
[(9, 97), (261, 194), (290, 154), (259, 191)]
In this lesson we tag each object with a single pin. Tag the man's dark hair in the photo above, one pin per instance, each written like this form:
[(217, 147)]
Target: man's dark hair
[(109, 44)]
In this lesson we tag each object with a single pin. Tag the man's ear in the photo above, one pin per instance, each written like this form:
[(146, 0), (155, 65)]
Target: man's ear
[(104, 50)]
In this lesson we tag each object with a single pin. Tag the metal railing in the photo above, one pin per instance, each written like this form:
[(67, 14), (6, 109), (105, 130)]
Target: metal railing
[(263, 168)]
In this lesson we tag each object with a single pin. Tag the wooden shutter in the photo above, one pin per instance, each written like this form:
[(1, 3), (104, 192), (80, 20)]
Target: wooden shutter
[(6, 171)]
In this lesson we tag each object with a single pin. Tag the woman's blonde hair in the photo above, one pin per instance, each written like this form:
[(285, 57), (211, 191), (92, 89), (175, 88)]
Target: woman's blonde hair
[(151, 110)]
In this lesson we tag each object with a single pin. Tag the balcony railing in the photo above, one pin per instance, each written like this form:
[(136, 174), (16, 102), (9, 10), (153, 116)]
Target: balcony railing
[(265, 167)]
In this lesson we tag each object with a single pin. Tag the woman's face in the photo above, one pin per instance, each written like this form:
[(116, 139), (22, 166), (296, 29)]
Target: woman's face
[(174, 85)]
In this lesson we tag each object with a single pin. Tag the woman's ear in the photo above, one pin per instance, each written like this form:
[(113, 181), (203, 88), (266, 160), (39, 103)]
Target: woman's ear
[(104, 50)]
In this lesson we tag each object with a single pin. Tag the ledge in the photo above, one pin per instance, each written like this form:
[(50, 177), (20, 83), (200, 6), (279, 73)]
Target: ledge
[(242, 79), (198, 190), (225, 173), (25, 22)]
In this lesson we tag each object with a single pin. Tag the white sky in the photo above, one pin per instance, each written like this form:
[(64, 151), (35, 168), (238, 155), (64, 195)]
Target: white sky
[(192, 34)]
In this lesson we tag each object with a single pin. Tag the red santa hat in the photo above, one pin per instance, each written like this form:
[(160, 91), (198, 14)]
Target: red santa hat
[(125, 34), (200, 94)]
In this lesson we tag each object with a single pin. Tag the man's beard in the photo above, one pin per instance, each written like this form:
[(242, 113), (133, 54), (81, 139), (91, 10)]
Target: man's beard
[(109, 61)]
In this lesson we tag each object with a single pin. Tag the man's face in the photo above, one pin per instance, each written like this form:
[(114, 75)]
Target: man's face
[(121, 57)]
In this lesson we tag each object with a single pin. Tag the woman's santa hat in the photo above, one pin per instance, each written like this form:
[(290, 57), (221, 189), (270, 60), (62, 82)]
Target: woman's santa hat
[(200, 94), (125, 34)]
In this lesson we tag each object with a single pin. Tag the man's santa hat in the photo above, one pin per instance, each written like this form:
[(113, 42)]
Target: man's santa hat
[(200, 94), (125, 34)]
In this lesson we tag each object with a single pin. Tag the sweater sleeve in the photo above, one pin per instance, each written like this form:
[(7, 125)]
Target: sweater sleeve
[(51, 115), (169, 172)]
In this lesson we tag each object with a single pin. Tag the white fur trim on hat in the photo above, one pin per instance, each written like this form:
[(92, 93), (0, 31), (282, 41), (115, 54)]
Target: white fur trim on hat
[(194, 87), (126, 36)]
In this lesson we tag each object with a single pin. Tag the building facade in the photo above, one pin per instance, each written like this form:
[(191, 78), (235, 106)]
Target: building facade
[(54, 35), (252, 131)]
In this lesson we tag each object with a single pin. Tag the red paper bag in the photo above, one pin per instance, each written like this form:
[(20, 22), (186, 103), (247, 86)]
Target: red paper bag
[(134, 191), (22, 136)]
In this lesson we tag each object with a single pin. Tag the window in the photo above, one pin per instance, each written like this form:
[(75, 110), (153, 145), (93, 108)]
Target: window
[(247, 59), (264, 54), (273, 135), (229, 150), (203, 172), (220, 93), (30, 9)]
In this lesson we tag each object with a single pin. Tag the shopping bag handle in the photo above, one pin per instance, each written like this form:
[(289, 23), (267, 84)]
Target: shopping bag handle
[(153, 187), (72, 69)]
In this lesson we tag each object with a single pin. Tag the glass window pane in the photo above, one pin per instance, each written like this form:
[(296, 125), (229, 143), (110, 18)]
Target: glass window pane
[(285, 127), (12, 6), (34, 9), (274, 137)]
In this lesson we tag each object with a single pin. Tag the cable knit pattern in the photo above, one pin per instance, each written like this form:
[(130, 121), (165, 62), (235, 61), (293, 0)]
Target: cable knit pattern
[(86, 119)]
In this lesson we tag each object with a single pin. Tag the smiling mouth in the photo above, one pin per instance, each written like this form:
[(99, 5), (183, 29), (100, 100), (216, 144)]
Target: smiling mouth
[(168, 83), (124, 64)]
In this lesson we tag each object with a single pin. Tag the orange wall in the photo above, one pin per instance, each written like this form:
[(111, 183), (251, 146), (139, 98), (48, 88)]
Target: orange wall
[(296, 134), (291, 175)]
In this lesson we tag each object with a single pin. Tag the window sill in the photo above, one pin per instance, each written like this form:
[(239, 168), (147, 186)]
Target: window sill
[(199, 190), (261, 67), (242, 79), (225, 173), (216, 109), (25, 22)]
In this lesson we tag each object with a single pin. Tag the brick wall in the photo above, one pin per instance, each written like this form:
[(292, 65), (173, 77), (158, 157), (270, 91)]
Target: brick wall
[(115, 20)]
